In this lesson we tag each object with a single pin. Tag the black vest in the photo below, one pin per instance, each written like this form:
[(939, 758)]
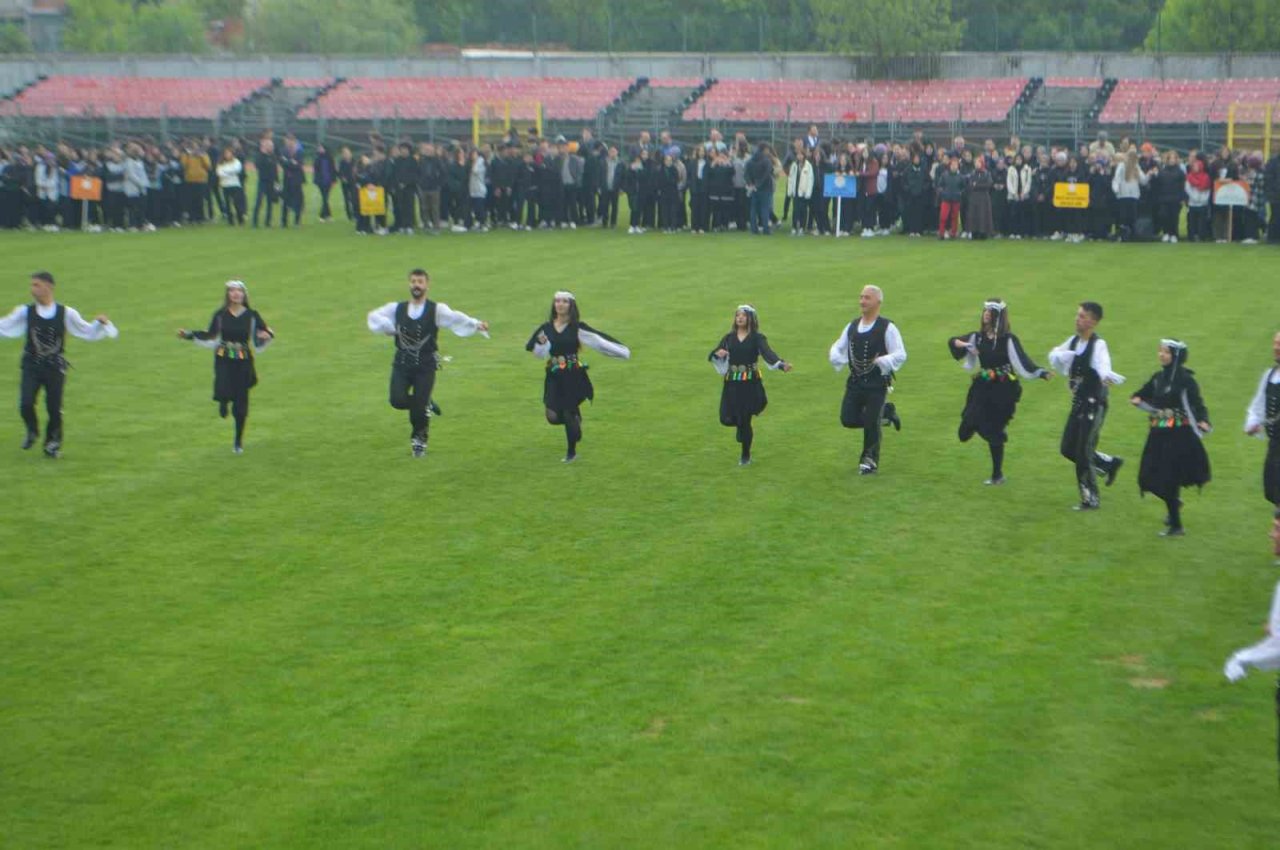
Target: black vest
[(416, 338), (1086, 383), (46, 338), (1273, 406), (864, 348)]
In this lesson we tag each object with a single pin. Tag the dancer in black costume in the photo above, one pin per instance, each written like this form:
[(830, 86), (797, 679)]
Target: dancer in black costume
[(1086, 360), (236, 332), (996, 357), (567, 385), (1263, 420), (415, 324), (871, 347), (737, 358), (44, 324), (1174, 456)]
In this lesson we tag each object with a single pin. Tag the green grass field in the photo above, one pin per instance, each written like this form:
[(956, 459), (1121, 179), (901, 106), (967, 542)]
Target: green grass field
[(326, 644)]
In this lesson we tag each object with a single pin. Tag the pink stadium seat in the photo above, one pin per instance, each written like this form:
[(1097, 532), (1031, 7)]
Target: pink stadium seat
[(131, 97), (1185, 101), (453, 98)]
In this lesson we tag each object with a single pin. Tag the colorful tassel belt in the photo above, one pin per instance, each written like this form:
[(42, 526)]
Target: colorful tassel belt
[(1001, 375), (564, 364), (1168, 419), (233, 351), (749, 372)]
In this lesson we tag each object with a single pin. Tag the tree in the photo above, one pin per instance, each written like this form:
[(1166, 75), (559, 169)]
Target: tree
[(1212, 25), (333, 26), (118, 26), (1061, 25), (886, 29), (13, 39)]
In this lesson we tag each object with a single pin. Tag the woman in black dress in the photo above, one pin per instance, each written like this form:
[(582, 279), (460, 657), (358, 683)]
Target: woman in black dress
[(1000, 361), (1174, 456), (567, 385), (737, 358), (235, 332)]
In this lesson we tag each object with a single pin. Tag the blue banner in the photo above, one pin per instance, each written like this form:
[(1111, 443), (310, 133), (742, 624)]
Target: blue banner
[(840, 186)]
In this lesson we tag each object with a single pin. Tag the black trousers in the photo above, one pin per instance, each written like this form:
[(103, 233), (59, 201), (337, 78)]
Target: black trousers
[(402, 198), (1080, 446), (233, 201), (608, 209), (863, 407), (267, 195), (411, 390), (51, 378)]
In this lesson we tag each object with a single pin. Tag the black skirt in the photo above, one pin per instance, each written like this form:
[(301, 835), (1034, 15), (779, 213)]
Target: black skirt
[(1172, 458), (740, 400), (989, 407), (1271, 473), (565, 389), (232, 378)]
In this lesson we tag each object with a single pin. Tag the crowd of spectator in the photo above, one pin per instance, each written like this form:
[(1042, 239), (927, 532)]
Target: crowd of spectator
[(1135, 192)]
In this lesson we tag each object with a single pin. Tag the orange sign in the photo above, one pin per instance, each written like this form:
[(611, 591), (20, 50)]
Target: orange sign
[(1231, 193), (86, 188), (373, 200)]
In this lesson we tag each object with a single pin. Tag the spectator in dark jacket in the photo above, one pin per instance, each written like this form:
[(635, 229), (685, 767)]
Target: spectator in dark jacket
[(292, 178), (268, 168), (347, 181), (1170, 191), (431, 177), (404, 188), (324, 173), (951, 188)]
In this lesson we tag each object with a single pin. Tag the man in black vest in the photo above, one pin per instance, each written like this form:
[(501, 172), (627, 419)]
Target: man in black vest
[(267, 164), (871, 347), (45, 325), (415, 324), (1085, 359), (1263, 420)]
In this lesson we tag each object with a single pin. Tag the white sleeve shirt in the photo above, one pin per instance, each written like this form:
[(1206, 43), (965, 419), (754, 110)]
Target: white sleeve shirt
[(383, 319), (1064, 355), (889, 362), (14, 325), (1256, 415)]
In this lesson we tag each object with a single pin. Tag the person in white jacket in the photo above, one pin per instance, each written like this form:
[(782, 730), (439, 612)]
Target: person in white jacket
[(799, 191), (1127, 183), (1018, 194), (478, 190), (135, 188)]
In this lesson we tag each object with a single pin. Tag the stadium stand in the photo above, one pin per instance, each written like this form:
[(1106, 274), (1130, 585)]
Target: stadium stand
[(133, 97), (977, 100), (452, 98), (1184, 101)]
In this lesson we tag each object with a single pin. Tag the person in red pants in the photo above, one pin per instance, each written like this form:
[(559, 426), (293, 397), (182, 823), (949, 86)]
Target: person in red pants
[(950, 191)]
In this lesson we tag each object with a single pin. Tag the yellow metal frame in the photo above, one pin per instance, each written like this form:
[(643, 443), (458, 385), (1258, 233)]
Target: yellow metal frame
[(491, 118), (1265, 129)]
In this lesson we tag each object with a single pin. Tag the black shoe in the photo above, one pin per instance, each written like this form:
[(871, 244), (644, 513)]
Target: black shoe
[(1086, 506), (867, 467), (1116, 463), (994, 481), (237, 449), (53, 450), (744, 461), (893, 420), (1174, 531), (30, 441), (570, 458), (418, 446), (434, 410), (222, 409)]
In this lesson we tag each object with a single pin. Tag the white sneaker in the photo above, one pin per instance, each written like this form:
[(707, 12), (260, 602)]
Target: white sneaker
[(528, 227), (631, 231), (733, 225), (1057, 237), (1249, 242), (458, 228), (1164, 237), (408, 231), (573, 226), (866, 232), (1173, 239)]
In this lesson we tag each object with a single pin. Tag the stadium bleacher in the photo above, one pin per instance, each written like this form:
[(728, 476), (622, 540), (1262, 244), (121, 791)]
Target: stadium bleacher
[(1185, 101), (453, 98), (132, 97), (976, 100)]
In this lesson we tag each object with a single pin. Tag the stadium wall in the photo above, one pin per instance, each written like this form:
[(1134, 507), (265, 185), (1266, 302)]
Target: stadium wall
[(482, 63)]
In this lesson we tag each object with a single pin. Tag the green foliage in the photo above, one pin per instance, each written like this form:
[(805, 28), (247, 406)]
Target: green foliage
[(886, 29), (1068, 25), (1212, 25), (118, 26), (333, 26), (13, 39)]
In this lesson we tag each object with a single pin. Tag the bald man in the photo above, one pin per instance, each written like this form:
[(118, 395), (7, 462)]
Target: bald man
[(871, 347)]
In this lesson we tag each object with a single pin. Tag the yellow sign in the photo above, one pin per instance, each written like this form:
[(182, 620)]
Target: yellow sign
[(373, 200), (1071, 196)]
